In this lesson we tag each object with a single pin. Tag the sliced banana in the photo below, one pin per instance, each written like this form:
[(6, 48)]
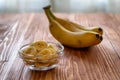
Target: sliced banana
[(44, 54), (29, 53), (39, 45), (29, 62), (48, 53), (45, 51), (40, 54), (29, 50), (50, 46), (53, 51)]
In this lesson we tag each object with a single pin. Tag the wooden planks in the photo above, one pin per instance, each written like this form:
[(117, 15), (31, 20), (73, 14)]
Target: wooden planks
[(100, 62)]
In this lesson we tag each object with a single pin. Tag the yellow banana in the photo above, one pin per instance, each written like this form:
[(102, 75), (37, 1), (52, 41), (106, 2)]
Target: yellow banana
[(77, 27), (72, 39), (74, 26)]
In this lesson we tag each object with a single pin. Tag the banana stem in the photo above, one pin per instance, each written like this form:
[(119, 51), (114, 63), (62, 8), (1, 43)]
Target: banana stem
[(48, 13)]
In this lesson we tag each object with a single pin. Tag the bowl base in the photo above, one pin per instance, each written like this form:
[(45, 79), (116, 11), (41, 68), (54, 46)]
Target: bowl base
[(44, 68)]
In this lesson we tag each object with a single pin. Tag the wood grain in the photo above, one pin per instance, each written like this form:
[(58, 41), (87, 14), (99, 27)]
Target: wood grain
[(99, 62)]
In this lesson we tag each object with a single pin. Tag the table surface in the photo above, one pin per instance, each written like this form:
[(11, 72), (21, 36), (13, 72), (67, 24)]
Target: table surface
[(100, 62)]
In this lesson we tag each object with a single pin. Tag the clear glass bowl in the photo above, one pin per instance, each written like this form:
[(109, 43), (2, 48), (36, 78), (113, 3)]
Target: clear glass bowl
[(38, 63)]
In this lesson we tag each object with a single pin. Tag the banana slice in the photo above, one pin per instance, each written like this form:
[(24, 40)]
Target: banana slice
[(29, 62), (29, 50), (29, 53), (47, 54), (44, 54), (39, 45), (53, 51), (50, 46)]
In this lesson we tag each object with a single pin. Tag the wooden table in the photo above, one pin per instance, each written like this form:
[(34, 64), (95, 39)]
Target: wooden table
[(101, 62)]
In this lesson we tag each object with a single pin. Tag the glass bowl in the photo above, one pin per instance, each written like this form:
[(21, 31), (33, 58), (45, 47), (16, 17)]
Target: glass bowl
[(38, 62)]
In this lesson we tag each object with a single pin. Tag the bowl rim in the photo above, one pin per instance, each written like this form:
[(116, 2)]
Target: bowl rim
[(59, 44)]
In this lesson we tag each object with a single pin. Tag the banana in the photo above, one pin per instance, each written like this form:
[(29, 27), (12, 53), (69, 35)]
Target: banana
[(77, 27), (74, 26), (69, 38), (74, 39)]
